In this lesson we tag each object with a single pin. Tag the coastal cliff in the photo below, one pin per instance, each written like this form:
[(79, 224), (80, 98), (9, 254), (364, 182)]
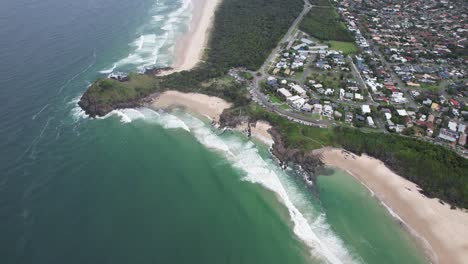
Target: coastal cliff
[(94, 107)]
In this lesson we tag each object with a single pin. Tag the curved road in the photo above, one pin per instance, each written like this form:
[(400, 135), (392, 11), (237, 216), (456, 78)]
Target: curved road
[(259, 75)]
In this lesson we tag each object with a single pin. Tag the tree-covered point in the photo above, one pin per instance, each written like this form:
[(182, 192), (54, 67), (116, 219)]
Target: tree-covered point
[(244, 33), (325, 24)]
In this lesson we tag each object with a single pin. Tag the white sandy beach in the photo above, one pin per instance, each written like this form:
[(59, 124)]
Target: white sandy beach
[(209, 106), (259, 130), (443, 232), (191, 46)]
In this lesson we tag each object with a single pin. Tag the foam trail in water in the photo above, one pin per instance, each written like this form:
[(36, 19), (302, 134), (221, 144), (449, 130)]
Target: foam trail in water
[(40, 111), (166, 120), (309, 225), (78, 74), (157, 39), (245, 156)]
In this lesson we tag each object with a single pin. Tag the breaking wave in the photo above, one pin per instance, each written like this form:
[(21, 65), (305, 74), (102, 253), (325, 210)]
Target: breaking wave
[(309, 224), (154, 47)]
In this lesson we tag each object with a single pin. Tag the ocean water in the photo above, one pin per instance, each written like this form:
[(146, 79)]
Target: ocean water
[(140, 186)]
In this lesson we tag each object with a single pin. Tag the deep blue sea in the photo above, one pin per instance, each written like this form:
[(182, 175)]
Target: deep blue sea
[(145, 187)]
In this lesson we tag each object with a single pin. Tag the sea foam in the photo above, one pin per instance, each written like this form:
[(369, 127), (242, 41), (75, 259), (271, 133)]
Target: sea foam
[(310, 226), (309, 223), (157, 39)]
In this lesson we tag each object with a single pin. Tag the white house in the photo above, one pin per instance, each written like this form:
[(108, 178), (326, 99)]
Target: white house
[(293, 98), (370, 121), (366, 109), (284, 93), (298, 90)]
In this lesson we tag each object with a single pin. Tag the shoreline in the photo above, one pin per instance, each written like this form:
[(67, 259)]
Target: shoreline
[(210, 107), (440, 231), (189, 48)]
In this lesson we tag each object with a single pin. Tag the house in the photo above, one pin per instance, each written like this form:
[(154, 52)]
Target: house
[(370, 121), (348, 117), (307, 107), (452, 126), (454, 103), (298, 103), (448, 135), (317, 109), (317, 86), (360, 117), (462, 139), (293, 98), (298, 90), (328, 110), (272, 81), (358, 96), (402, 112), (427, 102), (307, 41), (461, 128), (366, 109), (285, 94), (329, 91), (431, 118)]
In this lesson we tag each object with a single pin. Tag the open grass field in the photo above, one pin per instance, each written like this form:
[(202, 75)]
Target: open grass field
[(348, 48)]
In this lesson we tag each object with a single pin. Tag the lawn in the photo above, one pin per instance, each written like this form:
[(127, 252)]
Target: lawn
[(325, 24), (348, 48), (431, 87), (275, 99), (330, 79)]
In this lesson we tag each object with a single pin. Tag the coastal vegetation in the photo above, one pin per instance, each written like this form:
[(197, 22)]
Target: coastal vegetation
[(439, 171), (243, 35), (324, 23)]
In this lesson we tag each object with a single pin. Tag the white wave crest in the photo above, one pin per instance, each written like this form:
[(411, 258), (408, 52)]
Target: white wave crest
[(245, 156), (158, 38), (166, 120), (77, 112), (309, 225)]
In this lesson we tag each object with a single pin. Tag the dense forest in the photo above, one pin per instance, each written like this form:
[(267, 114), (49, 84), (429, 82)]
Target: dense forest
[(325, 24), (439, 171), (244, 33)]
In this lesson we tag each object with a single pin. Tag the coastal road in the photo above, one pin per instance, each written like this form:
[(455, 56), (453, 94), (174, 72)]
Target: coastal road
[(260, 75)]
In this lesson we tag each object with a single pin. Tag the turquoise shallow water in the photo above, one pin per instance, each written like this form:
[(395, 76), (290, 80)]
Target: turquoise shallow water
[(157, 188)]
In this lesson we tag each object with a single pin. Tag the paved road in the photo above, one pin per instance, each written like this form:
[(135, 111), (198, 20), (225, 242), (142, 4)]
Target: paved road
[(262, 99)]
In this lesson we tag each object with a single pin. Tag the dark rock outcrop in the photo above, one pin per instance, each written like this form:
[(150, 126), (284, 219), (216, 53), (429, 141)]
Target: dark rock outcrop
[(157, 71), (93, 107), (309, 161)]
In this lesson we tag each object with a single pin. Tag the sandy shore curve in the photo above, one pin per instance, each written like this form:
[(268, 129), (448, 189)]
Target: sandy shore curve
[(441, 231)]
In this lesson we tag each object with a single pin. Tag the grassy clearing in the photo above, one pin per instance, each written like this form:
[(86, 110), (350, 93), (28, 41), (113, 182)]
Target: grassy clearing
[(348, 48), (325, 24), (329, 79), (299, 136), (431, 87), (275, 99)]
